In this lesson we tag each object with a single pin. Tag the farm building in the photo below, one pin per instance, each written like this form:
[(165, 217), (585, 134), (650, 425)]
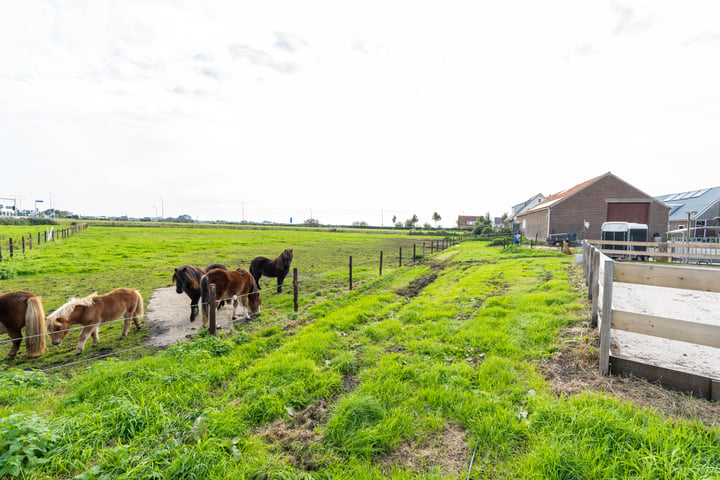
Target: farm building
[(527, 204), (582, 209), (702, 207), (467, 221)]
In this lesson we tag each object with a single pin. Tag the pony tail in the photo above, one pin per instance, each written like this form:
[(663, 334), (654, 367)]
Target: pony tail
[(254, 295), (139, 311), (35, 328)]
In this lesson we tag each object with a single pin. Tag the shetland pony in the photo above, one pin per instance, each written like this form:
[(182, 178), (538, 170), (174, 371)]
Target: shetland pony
[(18, 310), (187, 279), (279, 267), (236, 284), (93, 310)]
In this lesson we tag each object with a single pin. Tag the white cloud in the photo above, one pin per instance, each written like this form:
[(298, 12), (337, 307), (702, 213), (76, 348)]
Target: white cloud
[(352, 109)]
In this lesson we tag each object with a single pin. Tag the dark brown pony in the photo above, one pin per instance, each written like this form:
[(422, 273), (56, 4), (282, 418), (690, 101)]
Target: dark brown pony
[(279, 267), (18, 310), (93, 310), (187, 279), (236, 284)]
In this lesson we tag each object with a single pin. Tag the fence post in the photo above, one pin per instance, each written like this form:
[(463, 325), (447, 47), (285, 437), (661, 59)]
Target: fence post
[(423, 250), (30, 240), (400, 256), (295, 289), (0, 253), (432, 242), (45, 236), (23, 244), (594, 286), (211, 310), (38, 238), (414, 254), (11, 248), (606, 316), (381, 253), (350, 272)]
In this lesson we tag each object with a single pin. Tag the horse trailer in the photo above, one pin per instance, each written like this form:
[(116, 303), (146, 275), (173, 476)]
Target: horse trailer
[(624, 232)]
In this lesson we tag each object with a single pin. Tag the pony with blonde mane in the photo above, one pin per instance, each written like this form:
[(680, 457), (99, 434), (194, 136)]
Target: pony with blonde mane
[(93, 310), (18, 310)]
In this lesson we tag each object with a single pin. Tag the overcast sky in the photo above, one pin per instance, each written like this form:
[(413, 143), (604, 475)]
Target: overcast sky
[(351, 110)]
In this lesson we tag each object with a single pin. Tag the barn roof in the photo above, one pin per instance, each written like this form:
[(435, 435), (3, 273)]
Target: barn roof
[(560, 196)]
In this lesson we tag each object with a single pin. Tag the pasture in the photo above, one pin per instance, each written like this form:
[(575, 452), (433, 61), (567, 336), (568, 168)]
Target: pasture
[(407, 376)]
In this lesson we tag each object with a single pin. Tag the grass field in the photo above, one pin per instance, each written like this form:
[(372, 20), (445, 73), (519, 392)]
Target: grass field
[(408, 376)]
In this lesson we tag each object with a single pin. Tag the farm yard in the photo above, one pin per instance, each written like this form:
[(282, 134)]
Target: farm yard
[(476, 353)]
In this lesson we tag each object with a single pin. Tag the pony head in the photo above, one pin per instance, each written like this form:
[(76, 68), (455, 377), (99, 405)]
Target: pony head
[(287, 257), (59, 320), (178, 279)]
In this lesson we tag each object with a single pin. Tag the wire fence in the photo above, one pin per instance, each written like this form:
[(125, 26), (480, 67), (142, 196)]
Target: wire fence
[(13, 246), (436, 246)]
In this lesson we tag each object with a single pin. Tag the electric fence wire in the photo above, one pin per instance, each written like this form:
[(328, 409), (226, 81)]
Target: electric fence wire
[(305, 280)]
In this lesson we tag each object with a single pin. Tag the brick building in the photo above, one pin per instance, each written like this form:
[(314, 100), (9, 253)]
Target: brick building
[(582, 209)]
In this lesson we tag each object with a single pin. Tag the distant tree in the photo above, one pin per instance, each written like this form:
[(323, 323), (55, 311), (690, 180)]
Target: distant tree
[(410, 222), (436, 218), (312, 222), (427, 225), (394, 219), (359, 224), (185, 218)]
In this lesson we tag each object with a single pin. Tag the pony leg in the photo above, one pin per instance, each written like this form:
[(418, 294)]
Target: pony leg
[(17, 340), (126, 327), (86, 332), (95, 336), (280, 280), (235, 304)]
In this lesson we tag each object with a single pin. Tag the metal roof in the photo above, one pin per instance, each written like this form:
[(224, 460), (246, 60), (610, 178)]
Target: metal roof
[(693, 201)]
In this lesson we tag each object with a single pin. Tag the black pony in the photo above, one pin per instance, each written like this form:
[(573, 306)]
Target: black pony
[(187, 279), (279, 267)]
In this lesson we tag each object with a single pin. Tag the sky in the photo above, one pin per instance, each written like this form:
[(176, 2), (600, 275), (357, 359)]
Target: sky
[(351, 111)]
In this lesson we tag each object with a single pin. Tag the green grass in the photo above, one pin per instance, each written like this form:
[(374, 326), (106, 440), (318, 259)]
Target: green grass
[(385, 367)]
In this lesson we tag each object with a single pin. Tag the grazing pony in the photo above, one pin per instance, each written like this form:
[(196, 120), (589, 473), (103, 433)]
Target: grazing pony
[(187, 279), (93, 310), (18, 310), (236, 284), (279, 267)]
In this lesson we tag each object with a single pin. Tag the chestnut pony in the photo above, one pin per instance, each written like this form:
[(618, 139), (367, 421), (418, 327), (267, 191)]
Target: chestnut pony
[(187, 279), (18, 310), (93, 310), (278, 267), (236, 284)]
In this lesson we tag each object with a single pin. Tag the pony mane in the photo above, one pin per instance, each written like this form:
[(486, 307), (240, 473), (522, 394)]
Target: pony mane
[(68, 308), (188, 274)]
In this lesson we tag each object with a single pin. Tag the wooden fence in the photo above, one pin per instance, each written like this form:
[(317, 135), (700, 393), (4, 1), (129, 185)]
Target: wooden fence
[(602, 271), (12, 246), (677, 251)]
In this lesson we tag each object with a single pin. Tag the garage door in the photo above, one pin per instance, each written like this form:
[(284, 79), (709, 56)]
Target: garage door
[(628, 212)]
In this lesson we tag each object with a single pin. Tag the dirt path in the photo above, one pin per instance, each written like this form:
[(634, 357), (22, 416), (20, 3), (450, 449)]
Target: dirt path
[(168, 317)]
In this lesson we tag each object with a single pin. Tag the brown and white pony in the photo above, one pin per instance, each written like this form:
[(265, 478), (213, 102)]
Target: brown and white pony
[(93, 310), (187, 279), (236, 284), (278, 267), (18, 310)]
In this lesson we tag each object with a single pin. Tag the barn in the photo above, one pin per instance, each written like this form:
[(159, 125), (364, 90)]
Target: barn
[(582, 209)]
